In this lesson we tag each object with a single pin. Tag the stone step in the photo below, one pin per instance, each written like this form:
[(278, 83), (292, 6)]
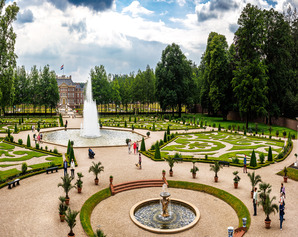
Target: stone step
[(136, 187), (137, 184)]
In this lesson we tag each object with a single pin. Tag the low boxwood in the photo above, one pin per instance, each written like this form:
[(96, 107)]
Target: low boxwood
[(88, 207)]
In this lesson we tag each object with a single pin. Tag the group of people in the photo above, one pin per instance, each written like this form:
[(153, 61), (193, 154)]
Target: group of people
[(135, 146), (72, 167), (281, 203)]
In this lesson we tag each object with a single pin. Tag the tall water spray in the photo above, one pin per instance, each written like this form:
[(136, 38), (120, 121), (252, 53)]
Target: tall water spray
[(90, 128)]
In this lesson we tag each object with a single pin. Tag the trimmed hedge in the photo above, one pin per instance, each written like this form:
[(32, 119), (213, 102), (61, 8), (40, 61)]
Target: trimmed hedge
[(88, 207), (230, 199), (235, 203)]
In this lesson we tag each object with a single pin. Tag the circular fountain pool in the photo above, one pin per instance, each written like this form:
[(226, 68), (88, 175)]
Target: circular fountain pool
[(108, 138), (147, 215)]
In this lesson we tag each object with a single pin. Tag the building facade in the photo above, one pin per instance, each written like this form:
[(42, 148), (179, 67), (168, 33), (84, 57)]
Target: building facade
[(71, 93)]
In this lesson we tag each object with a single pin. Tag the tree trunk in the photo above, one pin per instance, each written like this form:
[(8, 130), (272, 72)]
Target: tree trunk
[(179, 108)]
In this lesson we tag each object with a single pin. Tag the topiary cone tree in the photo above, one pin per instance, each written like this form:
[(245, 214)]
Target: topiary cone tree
[(253, 159), (143, 147), (157, 152), (165, 137), (28, 141), (270, 154), (168, 130)]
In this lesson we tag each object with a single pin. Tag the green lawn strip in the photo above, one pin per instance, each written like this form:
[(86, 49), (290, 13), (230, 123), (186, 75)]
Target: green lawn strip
[(57, 160), (218, 146), (230, 199), (6, 146), (245, 147), (6, 153), (29, 155), (292, 173), (3, 166), (88, 207), (8, 173)]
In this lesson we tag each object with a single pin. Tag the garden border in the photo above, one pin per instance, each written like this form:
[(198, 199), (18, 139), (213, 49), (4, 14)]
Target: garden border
[(238, 206)]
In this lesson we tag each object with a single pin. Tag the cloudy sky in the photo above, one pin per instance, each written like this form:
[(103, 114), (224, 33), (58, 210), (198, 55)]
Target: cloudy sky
[(125, 35)]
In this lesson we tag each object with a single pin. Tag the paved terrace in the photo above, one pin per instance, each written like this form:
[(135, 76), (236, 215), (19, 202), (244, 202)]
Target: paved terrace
[(31, 209)]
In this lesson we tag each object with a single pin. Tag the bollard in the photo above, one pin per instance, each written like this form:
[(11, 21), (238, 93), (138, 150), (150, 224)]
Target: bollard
[(230, 231), (244, 221)]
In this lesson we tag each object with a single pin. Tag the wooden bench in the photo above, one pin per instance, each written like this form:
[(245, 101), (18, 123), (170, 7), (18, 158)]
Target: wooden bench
[(52, 169), (224, 163), (13, 183)]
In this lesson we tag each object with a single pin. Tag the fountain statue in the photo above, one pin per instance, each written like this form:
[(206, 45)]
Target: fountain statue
[(90, 128), (165, 200)]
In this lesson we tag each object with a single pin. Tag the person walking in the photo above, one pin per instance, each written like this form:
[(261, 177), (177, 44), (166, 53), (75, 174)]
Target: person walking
[(244, 165), (134, 147), (255, 201), (281, 214), (283, 189), (129, 145), (140, 161), (72, 168), (65, 167), (137, 147)]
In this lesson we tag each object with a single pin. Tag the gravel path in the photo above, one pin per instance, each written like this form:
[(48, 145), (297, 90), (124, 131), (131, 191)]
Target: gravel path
[(31, 209)]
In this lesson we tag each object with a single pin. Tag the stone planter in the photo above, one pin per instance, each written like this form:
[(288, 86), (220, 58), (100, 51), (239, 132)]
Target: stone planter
[(96, 181), (215, 179), (235, 185), (267, 224)]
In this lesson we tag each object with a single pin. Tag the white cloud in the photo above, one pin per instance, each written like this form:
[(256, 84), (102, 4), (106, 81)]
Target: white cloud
[(136, 9), (181, 3)]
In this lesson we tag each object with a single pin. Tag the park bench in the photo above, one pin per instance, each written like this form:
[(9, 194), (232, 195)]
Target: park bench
[(52, 169), (13, 183), (178, 159), (224, 163)]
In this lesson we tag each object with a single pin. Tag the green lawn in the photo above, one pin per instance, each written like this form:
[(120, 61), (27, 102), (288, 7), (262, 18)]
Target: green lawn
[(220, 146), (11, 159)]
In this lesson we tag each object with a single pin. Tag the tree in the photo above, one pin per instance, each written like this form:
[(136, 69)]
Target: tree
[(253, 159), (34, 85), (28, 141), (174, 81), (53, 91), (21, 85), (116, 98), (277, 48), (157, 152), (143, 148), (45, 84), (101, 88), (217, 73), (250, 79), (270, 154), (7, 55)]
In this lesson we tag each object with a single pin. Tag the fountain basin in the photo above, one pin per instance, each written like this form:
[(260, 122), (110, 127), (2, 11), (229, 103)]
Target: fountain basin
[(147, 215), (108, 137)]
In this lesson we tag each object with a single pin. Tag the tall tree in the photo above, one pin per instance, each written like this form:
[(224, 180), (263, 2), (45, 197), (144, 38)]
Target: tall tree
[(44, 92), (34, 87), (21, 85), (250, 79), (116, 98), (174, 82), (7, 54), (101, 88), (217, 73), (277, 49), (53, 91)]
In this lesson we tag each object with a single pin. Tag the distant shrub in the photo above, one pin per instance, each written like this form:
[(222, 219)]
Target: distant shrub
[(55, 151), (24, 168), (20, 141)]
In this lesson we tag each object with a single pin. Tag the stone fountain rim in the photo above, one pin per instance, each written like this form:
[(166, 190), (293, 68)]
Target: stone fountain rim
[(164, 231)]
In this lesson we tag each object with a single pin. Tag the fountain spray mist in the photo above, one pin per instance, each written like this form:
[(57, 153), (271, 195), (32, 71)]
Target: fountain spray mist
[(90, 127)]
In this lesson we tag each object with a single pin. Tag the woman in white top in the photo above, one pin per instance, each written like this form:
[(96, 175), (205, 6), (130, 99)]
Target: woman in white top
[(72, 168)]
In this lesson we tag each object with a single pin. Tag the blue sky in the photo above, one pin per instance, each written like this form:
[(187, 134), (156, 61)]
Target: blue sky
[(125, 35)]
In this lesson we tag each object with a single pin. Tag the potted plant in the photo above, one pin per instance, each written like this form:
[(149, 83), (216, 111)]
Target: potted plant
[(96, 169), (171, 161), (70, 218), (264, 189), (215, 167), (99, 233), (148, 134), (269, 208), (62, 208), (285, 174), (79, 182), (236, 179), (163, 173), (254, 180), (194, 170), (67, 186), (111, 179)]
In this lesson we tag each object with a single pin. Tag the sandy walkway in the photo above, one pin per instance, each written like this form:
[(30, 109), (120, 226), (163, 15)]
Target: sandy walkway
[(31, 209)]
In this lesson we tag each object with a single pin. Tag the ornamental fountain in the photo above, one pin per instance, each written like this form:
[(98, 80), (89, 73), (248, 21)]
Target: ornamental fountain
[(165, 215), (90, 128)]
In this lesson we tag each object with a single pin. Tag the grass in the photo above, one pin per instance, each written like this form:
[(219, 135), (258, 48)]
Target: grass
[(230, 199), (239, 207), (88, 207), (7, 150), (292, 173)]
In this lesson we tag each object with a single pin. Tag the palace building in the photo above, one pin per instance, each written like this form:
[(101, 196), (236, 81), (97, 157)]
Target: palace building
[(71, 93)]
